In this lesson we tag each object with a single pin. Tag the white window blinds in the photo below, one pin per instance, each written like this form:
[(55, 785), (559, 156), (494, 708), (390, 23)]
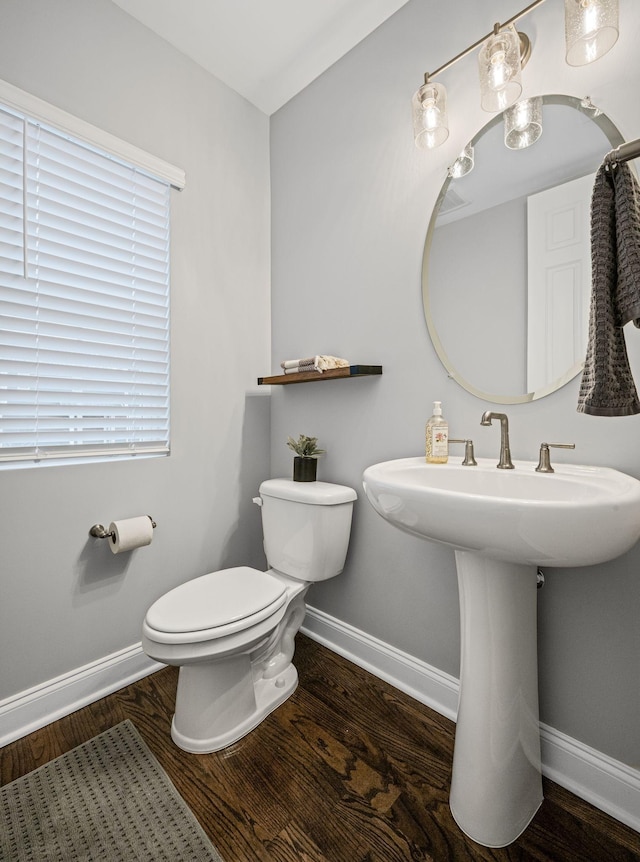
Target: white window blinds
[(84, 299)]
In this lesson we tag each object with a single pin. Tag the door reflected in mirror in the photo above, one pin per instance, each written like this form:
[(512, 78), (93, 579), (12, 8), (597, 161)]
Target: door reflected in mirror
[(506, 275)]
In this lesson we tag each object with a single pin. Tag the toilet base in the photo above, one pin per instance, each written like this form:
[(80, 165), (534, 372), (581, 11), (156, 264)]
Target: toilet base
[(269, 695)]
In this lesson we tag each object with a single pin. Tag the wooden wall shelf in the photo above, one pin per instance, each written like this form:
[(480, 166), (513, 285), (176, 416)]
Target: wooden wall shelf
[(316, 376)]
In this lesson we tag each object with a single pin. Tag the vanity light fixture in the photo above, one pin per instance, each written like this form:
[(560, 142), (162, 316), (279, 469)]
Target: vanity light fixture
[(591, 29), (523, 123), (499, 68), (463, 164), (430, 123)]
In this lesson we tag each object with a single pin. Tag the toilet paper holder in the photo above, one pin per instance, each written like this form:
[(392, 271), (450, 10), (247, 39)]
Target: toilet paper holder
[(100, 533)]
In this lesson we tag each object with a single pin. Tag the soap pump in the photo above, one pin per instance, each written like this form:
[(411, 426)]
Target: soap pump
[(437, 437)]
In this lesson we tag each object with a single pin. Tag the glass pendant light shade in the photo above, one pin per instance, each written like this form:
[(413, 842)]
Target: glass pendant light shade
[(500, 70), (591, 29), (523, 123), (430, 124), (463, 164)]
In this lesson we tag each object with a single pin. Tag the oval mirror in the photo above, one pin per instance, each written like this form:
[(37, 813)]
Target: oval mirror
[(506, 272)]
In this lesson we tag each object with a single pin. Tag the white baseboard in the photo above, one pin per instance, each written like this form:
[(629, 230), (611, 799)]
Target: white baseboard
[(608, 784), (611, 786), (416, 678), (29, 710)]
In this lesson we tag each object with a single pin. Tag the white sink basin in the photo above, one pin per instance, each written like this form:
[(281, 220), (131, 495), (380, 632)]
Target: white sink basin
[(575, 516), (502, 524)]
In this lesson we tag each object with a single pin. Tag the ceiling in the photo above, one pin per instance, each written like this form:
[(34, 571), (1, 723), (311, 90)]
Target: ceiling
[(266, 50)]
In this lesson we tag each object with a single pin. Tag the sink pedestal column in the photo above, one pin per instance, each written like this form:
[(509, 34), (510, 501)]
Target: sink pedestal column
[(496, 786)]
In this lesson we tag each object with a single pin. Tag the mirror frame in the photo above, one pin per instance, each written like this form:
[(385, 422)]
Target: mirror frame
[(615, 139)]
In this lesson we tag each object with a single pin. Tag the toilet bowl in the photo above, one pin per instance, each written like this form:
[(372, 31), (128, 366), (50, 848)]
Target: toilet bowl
[(232, 632)]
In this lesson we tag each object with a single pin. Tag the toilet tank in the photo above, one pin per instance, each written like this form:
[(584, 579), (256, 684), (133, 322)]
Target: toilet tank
[(306, 527)]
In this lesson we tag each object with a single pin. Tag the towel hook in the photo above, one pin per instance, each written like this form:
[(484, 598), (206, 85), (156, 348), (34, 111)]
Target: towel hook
[(611, 160)]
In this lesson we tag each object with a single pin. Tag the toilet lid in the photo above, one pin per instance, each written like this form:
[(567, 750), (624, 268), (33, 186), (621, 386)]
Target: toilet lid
[(217, 599)]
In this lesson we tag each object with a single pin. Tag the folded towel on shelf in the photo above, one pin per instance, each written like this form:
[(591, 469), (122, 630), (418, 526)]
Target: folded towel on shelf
[(299, 369), (320, 362), (607, 387), (296, 363)]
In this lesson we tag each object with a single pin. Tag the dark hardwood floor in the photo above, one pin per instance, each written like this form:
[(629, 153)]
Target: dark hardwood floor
[(347, 770)]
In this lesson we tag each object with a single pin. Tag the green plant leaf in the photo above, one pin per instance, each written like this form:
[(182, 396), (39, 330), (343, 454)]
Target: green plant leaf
[(305, 447)]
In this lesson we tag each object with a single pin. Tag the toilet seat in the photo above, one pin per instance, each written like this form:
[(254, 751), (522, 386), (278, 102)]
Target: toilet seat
[(215, 605)]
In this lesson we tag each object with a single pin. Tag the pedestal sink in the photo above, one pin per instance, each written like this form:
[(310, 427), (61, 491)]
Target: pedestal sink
[(502, 525)]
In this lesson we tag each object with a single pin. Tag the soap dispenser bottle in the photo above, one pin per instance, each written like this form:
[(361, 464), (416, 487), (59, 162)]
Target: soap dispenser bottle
[(437, 437)]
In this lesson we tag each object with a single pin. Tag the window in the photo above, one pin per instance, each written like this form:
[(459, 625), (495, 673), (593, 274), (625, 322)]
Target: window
[(84, 298)]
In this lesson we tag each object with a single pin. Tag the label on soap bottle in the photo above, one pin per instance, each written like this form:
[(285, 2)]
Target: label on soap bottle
[(437, 443), (437, 437)]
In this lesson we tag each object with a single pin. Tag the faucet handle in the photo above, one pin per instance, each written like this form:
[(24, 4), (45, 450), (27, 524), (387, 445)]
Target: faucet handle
[(469, 459), (544, 463)]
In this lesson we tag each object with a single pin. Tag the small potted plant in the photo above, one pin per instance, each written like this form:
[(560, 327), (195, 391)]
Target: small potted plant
[(305, 464)]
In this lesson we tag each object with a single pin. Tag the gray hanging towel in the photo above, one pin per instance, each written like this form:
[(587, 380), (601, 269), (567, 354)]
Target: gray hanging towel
[(607, 387)]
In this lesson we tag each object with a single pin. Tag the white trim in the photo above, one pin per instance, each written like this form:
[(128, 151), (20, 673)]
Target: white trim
[(25, 103), (29, 710), (416, 678), (606, 783)]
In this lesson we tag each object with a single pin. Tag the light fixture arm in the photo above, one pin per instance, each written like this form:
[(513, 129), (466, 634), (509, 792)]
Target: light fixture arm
[(496, 29)]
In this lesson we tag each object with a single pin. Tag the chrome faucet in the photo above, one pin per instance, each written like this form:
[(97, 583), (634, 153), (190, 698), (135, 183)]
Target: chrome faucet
[(505, 462)]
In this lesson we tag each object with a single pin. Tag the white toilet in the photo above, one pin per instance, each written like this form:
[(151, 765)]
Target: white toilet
[(232, 632)]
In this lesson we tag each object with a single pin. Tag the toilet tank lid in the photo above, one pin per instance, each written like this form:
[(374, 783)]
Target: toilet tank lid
[(314, 493)]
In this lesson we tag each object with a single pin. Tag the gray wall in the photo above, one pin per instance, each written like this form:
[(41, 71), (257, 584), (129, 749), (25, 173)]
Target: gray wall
[(65, 599), (351, 202)]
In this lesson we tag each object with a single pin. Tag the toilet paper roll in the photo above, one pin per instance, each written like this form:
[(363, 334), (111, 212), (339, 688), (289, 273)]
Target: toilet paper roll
[(130, 533)]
